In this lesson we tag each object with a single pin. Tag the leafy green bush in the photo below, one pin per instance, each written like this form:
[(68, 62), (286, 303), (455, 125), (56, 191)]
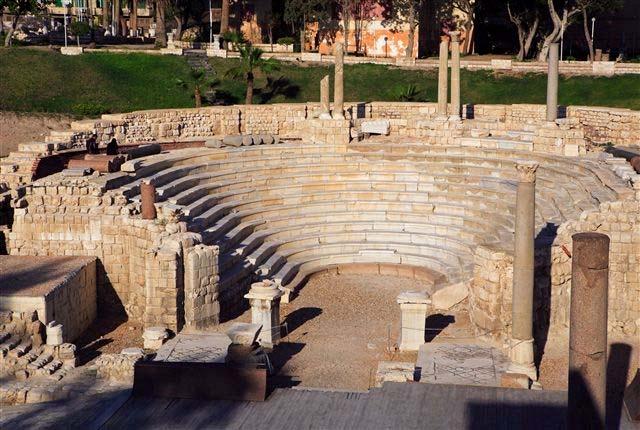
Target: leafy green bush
[(285, 41), (408, 93), (92, 109), (79, 28)]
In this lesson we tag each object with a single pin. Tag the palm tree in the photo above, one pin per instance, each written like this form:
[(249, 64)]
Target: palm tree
[(199, 80), (250, 61)]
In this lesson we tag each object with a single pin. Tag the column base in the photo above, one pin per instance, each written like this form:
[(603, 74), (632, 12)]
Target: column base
[(325, 115), (455, 118), (521, 355), (337, 116)]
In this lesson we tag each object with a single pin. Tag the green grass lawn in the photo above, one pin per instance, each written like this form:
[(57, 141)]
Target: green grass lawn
[(45, 81)]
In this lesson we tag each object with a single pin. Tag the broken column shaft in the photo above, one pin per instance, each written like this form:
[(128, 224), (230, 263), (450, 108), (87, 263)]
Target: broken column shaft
[(522, 350), (552, 82), (588, 331), (455, 74), (338, 82), (148, 200), (443, 76), (325, 106)]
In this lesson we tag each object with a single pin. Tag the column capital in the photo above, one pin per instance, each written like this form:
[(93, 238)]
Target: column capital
[(455, 36), (526, 171)]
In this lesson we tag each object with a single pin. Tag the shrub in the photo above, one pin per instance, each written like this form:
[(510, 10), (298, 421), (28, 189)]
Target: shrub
[(79, 28), (92, 109), (285, 41)]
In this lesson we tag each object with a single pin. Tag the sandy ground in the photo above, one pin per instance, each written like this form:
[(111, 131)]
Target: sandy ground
[(23, 128), (341, 326)]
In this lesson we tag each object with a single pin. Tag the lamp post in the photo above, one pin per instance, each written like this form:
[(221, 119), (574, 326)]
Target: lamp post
[(210, 26), (66, 4)]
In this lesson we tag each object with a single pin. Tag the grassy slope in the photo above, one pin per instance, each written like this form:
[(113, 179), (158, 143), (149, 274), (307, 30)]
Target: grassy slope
[(33, 80), (43, 81)]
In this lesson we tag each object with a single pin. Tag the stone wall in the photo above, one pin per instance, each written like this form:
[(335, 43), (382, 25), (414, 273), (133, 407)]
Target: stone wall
[(201, 305), (490, 290), (139, 261)]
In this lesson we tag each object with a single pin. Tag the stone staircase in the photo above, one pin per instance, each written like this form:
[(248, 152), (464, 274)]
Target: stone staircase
[(282, 212)]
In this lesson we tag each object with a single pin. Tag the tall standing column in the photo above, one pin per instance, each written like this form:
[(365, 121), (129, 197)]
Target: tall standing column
[(338, 82), (455, 74), (588, 331), (552, 82), (443, 72), (325, 112), (523, 273)]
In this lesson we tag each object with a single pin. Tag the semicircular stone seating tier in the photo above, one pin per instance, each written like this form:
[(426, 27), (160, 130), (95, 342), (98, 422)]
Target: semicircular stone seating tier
[(283, 212)]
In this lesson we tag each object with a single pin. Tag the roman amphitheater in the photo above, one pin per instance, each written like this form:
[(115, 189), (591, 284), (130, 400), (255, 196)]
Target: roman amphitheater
[(210, 202)]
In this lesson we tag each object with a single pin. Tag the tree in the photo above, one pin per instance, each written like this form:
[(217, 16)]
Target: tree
[(398, 13), (79, 28), (199, 80), (594, 7), (224, 17), (161, 28), (468, 7), (526, 17), (19, 8), (298, 12), (560, 21), (250, 61)]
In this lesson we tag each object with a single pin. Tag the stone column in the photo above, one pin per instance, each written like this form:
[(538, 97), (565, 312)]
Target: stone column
[(325, 106), (523, 273), (413, 316), (443, 72), (455, 75), (552, 82), (338, 82), (264, 298), (588, 331), (148, 200)]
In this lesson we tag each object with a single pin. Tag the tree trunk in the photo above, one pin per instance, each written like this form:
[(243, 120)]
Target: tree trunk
[(467, 46), (14, 23), (116, 18), (303, 27), (106, 9), (1, 21), (198, 96), (412, 32), (346, 21), (224, 17), (161, 32), (249, 97), (133, 17), (587, 35), (178, 27), (530, 36)]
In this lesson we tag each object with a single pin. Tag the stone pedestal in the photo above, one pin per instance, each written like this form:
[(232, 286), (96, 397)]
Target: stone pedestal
[(522, 349), (443, 72), (154, 337), (54, 334), (338, 82), (588, 331), (552, 82), (455, 75), (264, 298), (325, 105), (413, 310)]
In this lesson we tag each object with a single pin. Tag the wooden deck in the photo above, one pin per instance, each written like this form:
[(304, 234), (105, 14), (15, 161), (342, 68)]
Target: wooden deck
[(395, 406)]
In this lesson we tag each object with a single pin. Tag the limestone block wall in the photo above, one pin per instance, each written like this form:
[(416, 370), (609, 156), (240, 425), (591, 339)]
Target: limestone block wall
[(74, 303), (139, 261), (490, 289), (201, 304), (604, 125)]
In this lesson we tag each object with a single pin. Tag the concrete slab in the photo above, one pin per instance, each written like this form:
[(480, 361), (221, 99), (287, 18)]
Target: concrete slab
[(461, 364), (195, 348)]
